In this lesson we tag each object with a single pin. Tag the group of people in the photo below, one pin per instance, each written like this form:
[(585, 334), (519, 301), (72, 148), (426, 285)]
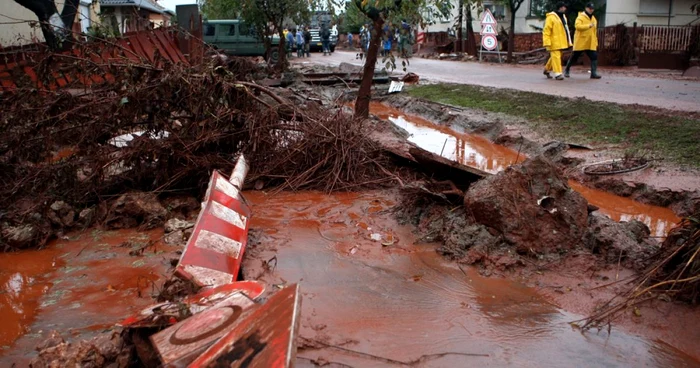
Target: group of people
[(557, 38), (298, 41), (401, 36)]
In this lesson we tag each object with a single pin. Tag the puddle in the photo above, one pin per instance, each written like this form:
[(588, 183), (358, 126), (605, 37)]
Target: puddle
[(467, 149), (405, 301), (479, 152), (78, 286), (22, 283), (659, 219)]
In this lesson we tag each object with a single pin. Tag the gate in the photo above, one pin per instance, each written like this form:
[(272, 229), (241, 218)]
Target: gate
[(666, 47)]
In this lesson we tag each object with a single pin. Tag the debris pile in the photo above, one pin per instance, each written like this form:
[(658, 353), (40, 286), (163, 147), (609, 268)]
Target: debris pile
[(531, 206), (161, 130), (672, 273)]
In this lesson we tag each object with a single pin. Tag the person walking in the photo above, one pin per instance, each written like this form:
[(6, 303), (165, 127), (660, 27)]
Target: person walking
[(325, 39), (289, 43), (307, 41), (350, 45), (585, 40), (300, 44), (556, 37)]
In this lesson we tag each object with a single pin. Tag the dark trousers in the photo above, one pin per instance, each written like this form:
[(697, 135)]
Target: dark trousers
[(592, 54)]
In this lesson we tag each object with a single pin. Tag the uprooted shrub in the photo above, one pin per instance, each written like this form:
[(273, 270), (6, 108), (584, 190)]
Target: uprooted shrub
[(173, 127), (673, 273)]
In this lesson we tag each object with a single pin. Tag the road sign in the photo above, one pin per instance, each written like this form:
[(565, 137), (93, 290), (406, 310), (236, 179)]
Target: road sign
[(489, 42), (488, 18), (488, 29)]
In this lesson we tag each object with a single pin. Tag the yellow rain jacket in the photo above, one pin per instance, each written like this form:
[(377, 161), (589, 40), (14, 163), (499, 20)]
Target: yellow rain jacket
[(555, 35), (586, 37)]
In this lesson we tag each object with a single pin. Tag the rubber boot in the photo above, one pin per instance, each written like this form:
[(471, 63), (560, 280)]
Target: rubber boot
[(568, 68), (594, 70)]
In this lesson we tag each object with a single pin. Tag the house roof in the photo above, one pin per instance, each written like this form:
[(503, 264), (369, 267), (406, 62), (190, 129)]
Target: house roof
[(144, 4)]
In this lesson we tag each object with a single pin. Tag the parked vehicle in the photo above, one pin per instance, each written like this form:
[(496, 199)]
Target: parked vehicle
[(318, 20), (235, 37)]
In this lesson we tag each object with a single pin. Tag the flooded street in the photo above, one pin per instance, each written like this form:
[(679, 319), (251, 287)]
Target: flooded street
[(405, 303), (79, 287), (479, 152)]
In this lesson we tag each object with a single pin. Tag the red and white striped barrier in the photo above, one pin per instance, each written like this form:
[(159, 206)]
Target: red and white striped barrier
[(213, 254)]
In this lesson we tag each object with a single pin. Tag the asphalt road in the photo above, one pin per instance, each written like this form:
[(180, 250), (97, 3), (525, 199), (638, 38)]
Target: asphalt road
[(682, 95)]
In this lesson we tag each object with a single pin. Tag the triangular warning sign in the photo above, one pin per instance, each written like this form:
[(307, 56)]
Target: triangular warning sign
[(487, 29), (488, 18)]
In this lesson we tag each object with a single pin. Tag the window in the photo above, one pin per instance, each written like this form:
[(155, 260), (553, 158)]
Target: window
[(209, 30), (246, 30), (232, 30), (654, 7), (498, 11), (537, 8)]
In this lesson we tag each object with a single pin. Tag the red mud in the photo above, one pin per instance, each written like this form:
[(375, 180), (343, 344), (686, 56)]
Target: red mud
[(479, 152), (468, 149), (379, 305), (82, 286)]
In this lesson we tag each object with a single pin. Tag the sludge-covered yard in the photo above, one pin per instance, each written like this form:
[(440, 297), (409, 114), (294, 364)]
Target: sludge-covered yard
[(413, 239)]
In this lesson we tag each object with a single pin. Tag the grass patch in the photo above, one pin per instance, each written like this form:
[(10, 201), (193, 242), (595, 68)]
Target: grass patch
[(676, 138)]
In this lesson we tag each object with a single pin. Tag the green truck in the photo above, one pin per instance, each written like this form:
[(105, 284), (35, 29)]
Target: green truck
[(235, 37)]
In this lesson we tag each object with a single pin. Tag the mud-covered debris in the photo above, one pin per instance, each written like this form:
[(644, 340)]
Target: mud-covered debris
[(136, 209), (174, 224), (102, 351), (86, 217), (467, 243), (624, 242), (61, 214), (20, 236), (507, 203), (180, 206), (555, 150)]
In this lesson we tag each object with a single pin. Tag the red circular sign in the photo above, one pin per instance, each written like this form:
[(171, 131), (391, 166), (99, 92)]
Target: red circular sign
[(489, 42)]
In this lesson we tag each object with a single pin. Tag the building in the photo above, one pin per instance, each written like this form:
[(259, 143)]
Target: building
[(19, 26), (642, 12), (134, 15)]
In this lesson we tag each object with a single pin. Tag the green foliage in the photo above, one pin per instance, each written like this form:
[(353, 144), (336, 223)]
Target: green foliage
[(352, 19)]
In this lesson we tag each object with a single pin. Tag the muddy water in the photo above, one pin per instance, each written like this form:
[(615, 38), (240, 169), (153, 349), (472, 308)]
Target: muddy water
[(467, 149), (383, 305), (479, 152), (78, 286), (22, 282)]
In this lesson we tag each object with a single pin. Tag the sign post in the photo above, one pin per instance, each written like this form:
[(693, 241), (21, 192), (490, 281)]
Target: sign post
[(489, 27)]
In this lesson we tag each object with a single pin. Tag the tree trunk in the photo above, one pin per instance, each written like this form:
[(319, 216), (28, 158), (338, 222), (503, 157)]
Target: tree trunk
[(365, 93), (55, 28), (471, 40), (511, 35), (282, 60), (460, 36)]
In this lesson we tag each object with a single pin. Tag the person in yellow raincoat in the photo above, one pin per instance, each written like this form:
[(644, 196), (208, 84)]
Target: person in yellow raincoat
[(585, 40), (556, 37)]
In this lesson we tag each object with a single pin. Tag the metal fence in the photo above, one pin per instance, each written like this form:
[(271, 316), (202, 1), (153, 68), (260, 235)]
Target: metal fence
[(666, 38)]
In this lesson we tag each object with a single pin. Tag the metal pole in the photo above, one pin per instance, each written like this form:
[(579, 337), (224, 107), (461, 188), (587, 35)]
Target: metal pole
[(239, 173), (670, 9)]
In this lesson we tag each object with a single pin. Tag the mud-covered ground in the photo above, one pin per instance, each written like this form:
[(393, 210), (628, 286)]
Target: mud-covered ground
[(407, 275)]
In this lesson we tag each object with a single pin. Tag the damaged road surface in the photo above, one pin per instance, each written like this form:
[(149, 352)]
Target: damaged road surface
[(390, 302)]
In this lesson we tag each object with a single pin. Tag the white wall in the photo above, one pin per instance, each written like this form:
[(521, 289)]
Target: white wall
[(628, 12), (14, 25)]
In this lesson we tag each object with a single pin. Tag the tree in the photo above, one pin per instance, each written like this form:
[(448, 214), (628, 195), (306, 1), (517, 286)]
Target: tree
[(696, 8), (466, 7), (513, 6), (266, 16), (381, 12), (55, 28)]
